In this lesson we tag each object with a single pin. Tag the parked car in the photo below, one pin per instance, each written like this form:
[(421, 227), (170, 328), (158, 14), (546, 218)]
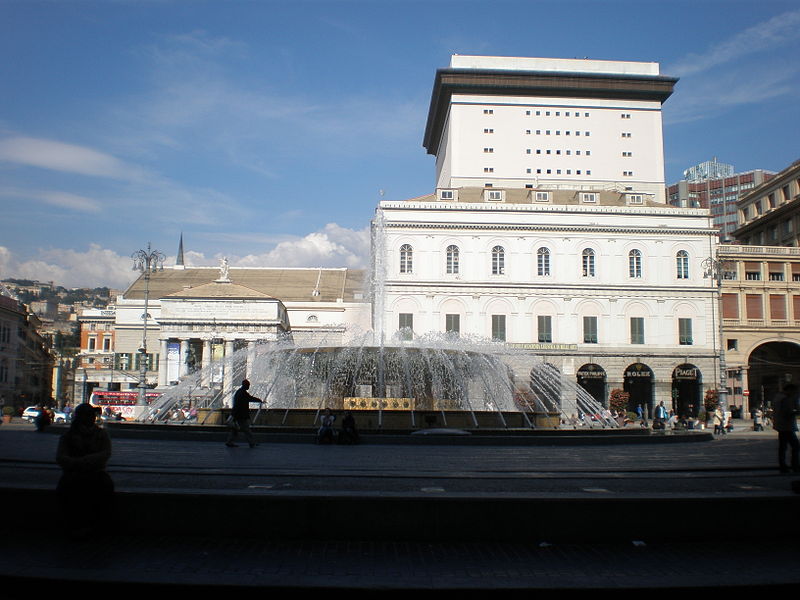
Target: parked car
[(30, 414)]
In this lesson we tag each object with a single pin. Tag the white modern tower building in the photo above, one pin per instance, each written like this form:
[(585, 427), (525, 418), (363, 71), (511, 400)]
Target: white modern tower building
[(548, 229)]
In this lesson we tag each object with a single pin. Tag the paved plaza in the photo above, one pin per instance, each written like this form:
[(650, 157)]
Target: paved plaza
[(289, 514)]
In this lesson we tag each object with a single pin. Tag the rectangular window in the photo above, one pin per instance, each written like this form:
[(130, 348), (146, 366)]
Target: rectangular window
[(776, 271), (589, 330), (637, 330), (406, 326), (777, 307), (92, 343), (452, 324), (499, 327), (588, 197), (106, 344), (544, 325), (754, 307), (752, 271), (122, 361), (685, 332), (542, 196), (730, 306), (732, 343)]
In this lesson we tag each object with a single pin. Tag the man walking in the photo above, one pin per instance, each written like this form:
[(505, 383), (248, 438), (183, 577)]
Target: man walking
[(785, 407), (240, 415)]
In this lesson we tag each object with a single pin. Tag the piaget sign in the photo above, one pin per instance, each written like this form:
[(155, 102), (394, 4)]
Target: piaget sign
[(686, 373)]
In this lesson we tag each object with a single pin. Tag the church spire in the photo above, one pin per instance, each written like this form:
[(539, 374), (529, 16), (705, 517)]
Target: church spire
[(179, 258)]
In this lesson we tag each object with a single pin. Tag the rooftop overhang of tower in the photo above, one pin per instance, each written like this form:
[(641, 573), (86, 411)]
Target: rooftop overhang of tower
[(655, 88)]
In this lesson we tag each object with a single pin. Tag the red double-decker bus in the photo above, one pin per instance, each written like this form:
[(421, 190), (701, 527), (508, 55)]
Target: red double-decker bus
[(120, 404)]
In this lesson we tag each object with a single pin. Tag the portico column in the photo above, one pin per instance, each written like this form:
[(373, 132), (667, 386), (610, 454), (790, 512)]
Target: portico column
[(183, 370), (206, 362), (251, 357), (227, 388), (163, 363)]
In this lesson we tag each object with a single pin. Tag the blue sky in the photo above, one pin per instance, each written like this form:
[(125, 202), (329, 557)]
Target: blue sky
[(267, 131)]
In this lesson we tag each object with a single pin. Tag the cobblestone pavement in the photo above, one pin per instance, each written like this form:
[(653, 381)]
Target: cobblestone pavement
[(741, 463)]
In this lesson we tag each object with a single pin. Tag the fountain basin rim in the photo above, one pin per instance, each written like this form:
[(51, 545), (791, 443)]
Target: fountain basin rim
[(441, 431)]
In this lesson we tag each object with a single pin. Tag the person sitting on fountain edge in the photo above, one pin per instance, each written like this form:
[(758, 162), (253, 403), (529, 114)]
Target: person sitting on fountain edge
[(325, 434), (240, 415)]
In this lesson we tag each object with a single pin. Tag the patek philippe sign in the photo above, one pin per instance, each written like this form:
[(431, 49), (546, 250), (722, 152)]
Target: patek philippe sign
[(592, 373)]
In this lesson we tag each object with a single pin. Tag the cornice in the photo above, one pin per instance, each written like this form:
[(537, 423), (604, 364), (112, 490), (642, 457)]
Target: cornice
[(660, 231)]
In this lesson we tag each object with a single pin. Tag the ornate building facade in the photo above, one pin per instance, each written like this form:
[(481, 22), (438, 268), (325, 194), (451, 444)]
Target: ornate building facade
[(549, 230)]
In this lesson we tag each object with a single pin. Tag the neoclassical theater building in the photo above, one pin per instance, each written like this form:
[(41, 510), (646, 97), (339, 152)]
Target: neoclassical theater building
[(548, 229)]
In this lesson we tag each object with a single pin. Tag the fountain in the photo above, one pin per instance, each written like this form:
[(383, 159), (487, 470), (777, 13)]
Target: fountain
[(436, 380)]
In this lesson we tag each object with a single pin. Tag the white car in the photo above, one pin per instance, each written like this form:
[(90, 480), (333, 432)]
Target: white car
[(30, 414)]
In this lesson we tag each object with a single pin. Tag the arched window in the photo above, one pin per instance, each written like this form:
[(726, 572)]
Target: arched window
[(543, 261), (498, 260), (587, 262), (452, 260), (682, 264), (406, 258), (635, 264)]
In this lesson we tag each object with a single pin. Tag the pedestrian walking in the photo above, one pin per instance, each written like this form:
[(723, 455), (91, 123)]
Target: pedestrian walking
[(240, 415), (758, 419), (719, 421), (785, 408)]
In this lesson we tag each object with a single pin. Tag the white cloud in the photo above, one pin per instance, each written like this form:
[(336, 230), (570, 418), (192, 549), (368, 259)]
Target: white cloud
[(57, 198), (775, 32), (333, 246), (95, 267), (737, 71), (67, 158)]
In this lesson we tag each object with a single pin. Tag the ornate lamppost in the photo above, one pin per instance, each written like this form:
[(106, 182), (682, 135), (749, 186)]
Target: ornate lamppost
[(715, 269), (146, 262)]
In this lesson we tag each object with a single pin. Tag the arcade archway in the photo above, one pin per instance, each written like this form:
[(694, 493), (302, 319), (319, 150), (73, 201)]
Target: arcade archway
[(687, 388), (638, 382), (592, 378), (771, 366)]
